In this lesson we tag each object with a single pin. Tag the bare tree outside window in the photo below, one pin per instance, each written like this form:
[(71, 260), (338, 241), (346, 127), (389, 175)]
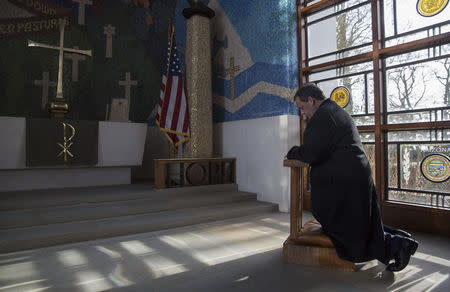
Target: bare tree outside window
[(409, 87), (443, 76), (352, 28)]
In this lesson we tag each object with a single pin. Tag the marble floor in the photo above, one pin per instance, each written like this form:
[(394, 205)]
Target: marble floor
[(242, 254)]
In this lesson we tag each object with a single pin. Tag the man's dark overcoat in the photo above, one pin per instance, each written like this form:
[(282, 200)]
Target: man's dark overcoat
[(343, 194)]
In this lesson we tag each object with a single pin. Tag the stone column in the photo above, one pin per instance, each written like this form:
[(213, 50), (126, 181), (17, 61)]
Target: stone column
[(198, 80)]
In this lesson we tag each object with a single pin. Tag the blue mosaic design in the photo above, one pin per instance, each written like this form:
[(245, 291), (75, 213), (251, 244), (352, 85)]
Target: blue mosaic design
[(271, 73), (262, 105), (267, 29)]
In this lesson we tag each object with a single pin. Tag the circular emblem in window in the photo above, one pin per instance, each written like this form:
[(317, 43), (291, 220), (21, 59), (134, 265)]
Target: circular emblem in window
[(340, 95), (430, 7), (435, 167)]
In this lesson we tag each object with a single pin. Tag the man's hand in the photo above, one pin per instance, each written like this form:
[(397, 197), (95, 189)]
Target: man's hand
[(293, 153)]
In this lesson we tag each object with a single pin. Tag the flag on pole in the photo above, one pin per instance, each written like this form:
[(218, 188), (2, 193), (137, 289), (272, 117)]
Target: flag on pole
[(173, 116)]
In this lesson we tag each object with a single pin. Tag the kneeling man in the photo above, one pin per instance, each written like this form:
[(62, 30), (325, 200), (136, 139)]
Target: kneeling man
[(343, 194)]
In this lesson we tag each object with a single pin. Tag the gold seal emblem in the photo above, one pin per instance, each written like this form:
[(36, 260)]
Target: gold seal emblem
[(340, 95), (430, 7), (435, 167)]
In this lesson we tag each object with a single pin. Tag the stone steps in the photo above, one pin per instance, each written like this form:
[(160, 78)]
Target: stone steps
[(80, 214), (88, 211), (70, 196)]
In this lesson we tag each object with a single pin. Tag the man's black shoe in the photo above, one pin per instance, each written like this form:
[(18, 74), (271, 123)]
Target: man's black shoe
[(396, 231), (409, 247)]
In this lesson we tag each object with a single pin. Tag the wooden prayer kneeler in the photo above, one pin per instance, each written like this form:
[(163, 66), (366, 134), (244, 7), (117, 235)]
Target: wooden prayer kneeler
[(307, 245)]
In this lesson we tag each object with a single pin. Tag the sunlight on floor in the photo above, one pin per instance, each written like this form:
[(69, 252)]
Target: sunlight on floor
[(127, 261), (18, 271), (26, 285), (109, 252), (71, 258), (160, 266), (425, 283), (242, 279), (281, 223), (408, 281), (136, 247), (117, 277), (15, 259), (409, 273), (219, 244), (92, 281), (432, 259), (368, 265)]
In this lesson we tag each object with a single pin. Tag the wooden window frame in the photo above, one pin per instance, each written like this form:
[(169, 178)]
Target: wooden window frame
[(399, 214)]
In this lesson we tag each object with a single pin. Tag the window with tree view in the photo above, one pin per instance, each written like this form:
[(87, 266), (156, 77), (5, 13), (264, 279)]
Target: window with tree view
[(393, 57)]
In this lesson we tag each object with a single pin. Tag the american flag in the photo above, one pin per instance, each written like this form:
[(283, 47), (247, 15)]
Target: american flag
[(173, 115)]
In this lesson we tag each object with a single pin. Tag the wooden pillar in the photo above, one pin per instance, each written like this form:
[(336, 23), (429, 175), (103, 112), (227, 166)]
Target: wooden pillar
[(296, 215), (296, 208), (160, 175)]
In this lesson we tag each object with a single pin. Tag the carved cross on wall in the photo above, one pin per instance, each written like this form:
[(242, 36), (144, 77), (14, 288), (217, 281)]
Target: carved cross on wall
[(109, 31), (75, 59), (232, 70), (45, 83), (128, 83), (81, 9)]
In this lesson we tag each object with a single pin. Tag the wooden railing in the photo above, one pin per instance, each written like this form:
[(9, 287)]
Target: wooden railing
[(297, 187), (194, 171)]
